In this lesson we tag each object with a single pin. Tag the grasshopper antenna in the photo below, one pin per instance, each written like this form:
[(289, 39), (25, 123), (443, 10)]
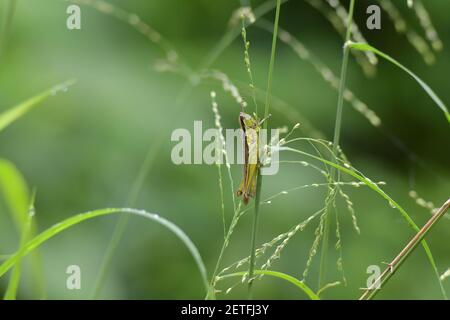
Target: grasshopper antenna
[(265, 119)]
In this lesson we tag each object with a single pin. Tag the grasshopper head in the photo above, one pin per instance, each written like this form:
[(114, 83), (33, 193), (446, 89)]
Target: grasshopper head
[(247, 120)]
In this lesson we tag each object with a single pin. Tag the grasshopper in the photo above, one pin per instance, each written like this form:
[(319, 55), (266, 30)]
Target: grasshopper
[(251, 127)]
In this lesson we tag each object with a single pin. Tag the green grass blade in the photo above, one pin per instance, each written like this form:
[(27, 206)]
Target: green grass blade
[(428, 90), (299, 284), (391, 201), (10, 8), (445, 275), (13, 285), (9, 116), (328, 286), (74, 220), (15, 192), (16, 196)]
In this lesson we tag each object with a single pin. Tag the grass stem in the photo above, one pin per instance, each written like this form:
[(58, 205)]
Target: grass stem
[(259, 177), (251, 269), (336, 139), (407, 250), (7, 21)]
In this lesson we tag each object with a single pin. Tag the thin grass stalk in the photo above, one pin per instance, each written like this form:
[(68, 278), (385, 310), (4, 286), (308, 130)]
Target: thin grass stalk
[(337, 135), (222, 201), (407, 250), (10, 8), (14, 280), (259, 176), (236, 209), (237, 214), (251, 269)]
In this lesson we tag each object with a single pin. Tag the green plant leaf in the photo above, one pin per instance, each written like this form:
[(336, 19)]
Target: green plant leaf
[(13, 285), (74, 220), (15, 192), (9, 116), (299, 284), (428, 90), (445, 275), (16, 196)]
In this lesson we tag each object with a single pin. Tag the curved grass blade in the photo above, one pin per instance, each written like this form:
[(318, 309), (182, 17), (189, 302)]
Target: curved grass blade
[(445, 275), (9, 116), (299, 284), (428, 90), (15, 191), (328, 286), (74, 220), (10, 8), (17, 199), (13, 285), (391, 201)]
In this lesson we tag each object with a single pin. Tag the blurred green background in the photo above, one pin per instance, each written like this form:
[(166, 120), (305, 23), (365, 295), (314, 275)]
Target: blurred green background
[(83, 149)]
